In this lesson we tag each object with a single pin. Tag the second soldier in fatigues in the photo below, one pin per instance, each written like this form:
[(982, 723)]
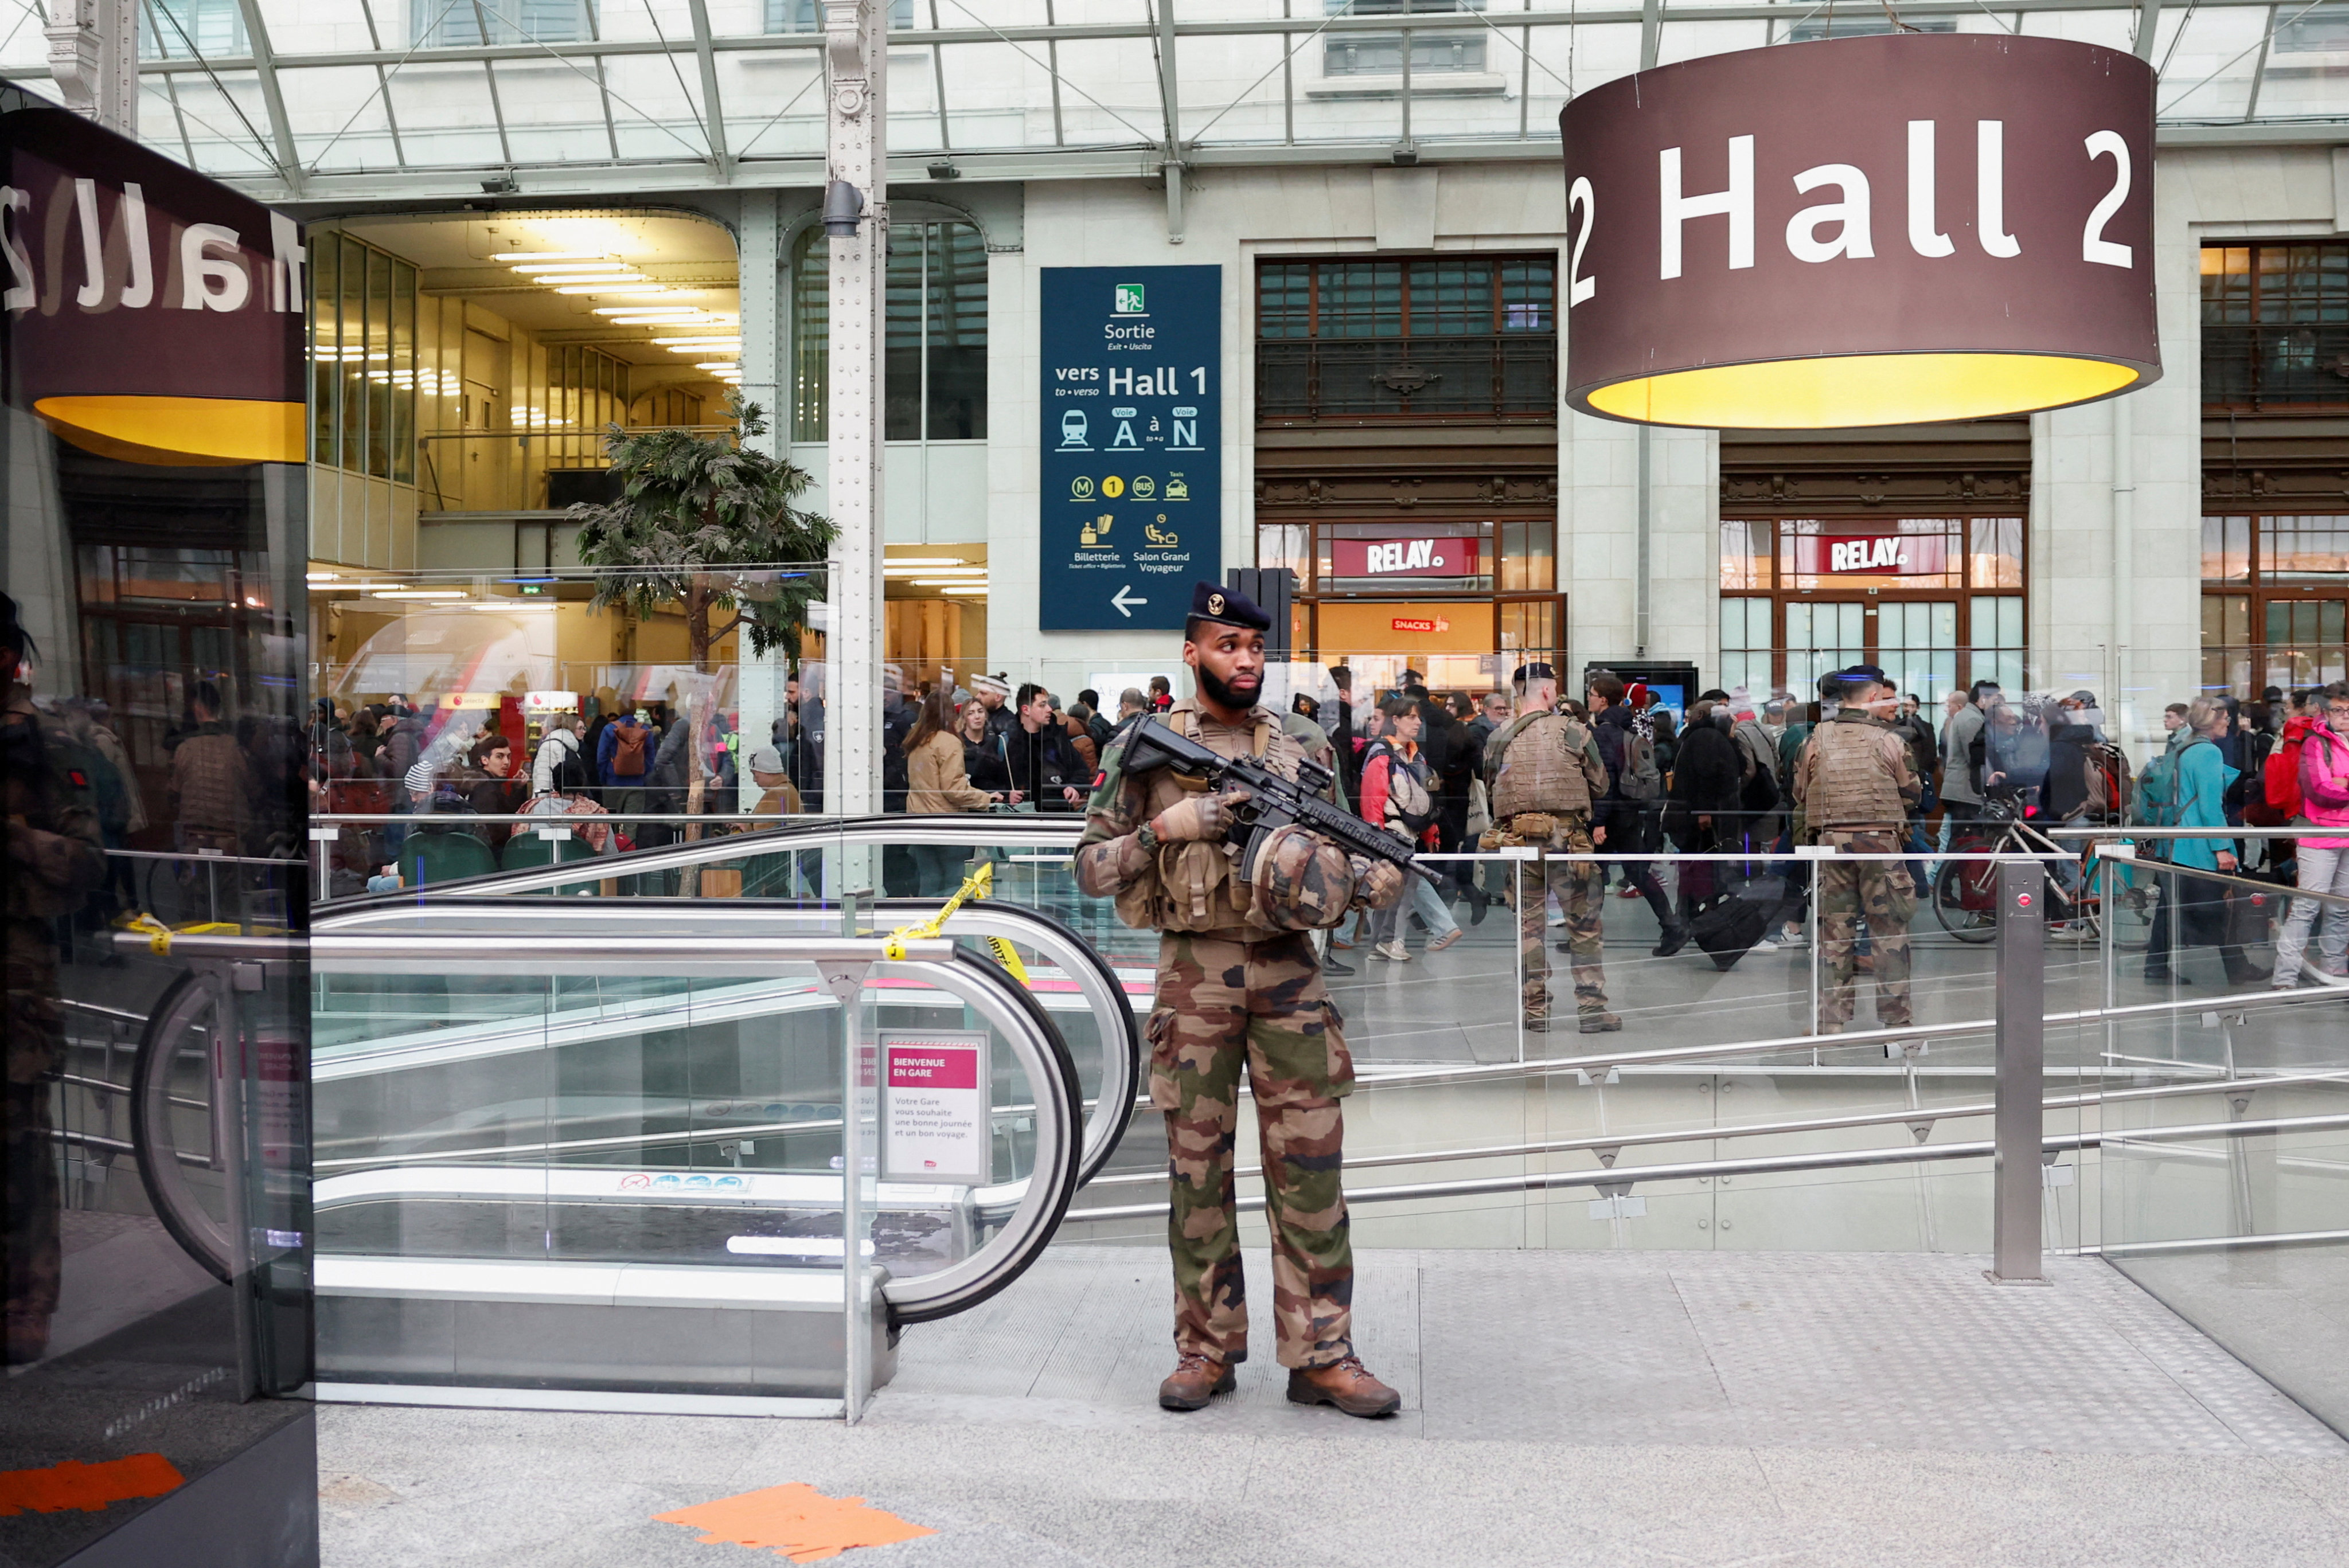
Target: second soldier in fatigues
[(1544, 771), (1237, 994), (1856, 787)]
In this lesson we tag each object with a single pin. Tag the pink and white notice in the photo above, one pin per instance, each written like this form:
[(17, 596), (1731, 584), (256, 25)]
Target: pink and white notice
[(934, 1110)]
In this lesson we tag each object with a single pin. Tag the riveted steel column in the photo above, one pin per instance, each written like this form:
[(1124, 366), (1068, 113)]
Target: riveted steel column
[(2022, 1059), (855, 55)]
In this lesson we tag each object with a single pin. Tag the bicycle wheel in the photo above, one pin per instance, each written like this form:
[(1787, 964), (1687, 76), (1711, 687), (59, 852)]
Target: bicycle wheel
[(1965, 899)]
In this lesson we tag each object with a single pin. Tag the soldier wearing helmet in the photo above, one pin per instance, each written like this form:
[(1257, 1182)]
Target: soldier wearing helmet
[(1239, 986)]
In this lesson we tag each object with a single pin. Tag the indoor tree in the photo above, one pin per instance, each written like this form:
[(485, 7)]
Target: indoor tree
[(708, 523)]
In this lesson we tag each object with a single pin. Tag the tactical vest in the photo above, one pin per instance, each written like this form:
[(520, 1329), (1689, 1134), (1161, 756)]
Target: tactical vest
[(1541, 769), (1851, 783), (1194, 886)]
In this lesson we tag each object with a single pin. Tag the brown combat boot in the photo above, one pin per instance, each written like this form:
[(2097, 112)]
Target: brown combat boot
[(1602, 1023), (1537, 1023), (1196, 1378), (1346, 1384)]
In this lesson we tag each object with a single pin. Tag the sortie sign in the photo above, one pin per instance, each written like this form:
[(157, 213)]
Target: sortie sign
[(1131, 462), (1868, 230)]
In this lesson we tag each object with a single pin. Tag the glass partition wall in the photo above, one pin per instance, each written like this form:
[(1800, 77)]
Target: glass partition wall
[(158, 1251)]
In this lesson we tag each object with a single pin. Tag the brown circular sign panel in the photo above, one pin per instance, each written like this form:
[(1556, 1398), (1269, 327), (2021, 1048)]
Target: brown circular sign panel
[(1875, 231)]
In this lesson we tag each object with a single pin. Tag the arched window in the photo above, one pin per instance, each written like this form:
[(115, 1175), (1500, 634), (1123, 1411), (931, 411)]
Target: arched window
[(934, 344)]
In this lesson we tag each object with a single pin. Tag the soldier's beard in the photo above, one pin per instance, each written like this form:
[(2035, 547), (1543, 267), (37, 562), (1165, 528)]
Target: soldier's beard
[(1224, 694)]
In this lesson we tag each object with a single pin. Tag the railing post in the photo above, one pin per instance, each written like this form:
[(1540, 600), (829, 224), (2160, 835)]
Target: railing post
[(2022, 1061)]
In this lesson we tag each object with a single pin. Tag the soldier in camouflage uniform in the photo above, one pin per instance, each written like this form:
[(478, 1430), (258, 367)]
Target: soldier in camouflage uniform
[(1235, 992), (1544, 771), (55, 859), (1856, 787)]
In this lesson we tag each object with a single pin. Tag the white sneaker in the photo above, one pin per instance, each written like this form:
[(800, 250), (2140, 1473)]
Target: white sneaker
[(1394, 952), (1790, 939)]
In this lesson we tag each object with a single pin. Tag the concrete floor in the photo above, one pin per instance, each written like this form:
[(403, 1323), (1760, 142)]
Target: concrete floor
[(1622, 1409)]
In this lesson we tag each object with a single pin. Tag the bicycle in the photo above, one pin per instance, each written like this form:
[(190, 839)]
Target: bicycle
[(1965, 892)]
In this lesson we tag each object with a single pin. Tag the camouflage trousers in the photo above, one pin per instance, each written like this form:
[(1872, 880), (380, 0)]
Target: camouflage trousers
[(36, 1049), (1881, 891), (1581, 891), (1223, 1005)]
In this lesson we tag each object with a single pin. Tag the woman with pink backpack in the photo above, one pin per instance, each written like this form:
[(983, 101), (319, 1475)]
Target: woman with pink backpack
[(2323, 861)]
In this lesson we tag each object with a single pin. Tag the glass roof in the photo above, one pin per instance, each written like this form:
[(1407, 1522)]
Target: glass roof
[(419, 95)]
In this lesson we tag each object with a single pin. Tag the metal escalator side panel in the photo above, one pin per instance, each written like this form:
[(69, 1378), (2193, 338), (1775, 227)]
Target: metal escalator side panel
[(1051, 1183), (1098, 983), (169, 1029)]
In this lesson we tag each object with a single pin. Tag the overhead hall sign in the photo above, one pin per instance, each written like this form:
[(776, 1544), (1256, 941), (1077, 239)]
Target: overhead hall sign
[(1132, 444), (1870, 231)]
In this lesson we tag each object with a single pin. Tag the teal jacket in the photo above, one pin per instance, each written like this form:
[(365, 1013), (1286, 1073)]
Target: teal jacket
[(2202, 779)]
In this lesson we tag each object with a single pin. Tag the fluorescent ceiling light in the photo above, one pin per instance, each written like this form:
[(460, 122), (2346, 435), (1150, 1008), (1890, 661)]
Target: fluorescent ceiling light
[(421, 594), (947, 583), (569, 267), (924, 560), (320, 576), (548, 256), (608, 290), (707, 342), (981, 589)]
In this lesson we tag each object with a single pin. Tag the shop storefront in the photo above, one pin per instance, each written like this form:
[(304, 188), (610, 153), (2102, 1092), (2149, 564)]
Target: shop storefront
[(1938, 602), (1461, 603), (1406, 462)]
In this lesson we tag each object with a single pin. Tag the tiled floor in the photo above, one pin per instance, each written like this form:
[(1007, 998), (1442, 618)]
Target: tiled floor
[(1604, 1408)]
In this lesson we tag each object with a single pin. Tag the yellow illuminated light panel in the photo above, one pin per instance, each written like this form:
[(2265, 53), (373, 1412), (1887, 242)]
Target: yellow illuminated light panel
[(1845, 390)]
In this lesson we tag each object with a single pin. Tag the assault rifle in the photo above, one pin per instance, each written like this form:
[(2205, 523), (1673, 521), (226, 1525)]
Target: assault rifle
[(1272, 802)]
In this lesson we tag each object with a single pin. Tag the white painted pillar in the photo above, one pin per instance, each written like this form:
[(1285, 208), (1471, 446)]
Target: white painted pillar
[(855, 55)]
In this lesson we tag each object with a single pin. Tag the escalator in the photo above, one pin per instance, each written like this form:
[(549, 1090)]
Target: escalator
[(570, 1153)]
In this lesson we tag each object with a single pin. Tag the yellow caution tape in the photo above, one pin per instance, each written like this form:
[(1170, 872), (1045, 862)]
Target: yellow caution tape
[(1008, 956), (159, 935), (974, 885)]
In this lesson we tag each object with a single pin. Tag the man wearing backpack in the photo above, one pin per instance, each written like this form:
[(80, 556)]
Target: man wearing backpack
[(2319, 746), (1632, 780), (622, 757)]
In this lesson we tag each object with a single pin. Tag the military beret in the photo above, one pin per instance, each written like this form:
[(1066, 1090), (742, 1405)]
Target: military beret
[(1229, 608), (1534, 671)]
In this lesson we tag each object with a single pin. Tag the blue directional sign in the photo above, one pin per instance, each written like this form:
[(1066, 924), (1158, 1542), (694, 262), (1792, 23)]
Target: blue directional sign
[(1132, 446)]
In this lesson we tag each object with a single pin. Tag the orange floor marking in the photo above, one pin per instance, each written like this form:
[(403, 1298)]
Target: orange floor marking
[(89, 1488), (797, 1521)]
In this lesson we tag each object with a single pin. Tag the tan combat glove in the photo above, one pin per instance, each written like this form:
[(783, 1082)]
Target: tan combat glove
[(1206, 817), (1378, 884)]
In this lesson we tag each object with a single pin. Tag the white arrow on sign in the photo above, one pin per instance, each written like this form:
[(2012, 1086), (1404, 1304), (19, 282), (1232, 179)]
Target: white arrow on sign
[(1125, 606)]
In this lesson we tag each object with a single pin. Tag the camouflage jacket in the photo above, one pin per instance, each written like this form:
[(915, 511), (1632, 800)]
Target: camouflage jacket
[(1190, 886), (55, 854)]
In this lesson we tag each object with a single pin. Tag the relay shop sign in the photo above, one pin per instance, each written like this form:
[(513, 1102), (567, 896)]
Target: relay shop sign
[(1403, 557), (1132, 446), (1865, 231), (1872, 554), (935, 1120)]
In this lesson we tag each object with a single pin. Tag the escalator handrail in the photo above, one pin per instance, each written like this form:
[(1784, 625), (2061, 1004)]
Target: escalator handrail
[(1014, 831), (1031, 1209), (1096, 981)]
